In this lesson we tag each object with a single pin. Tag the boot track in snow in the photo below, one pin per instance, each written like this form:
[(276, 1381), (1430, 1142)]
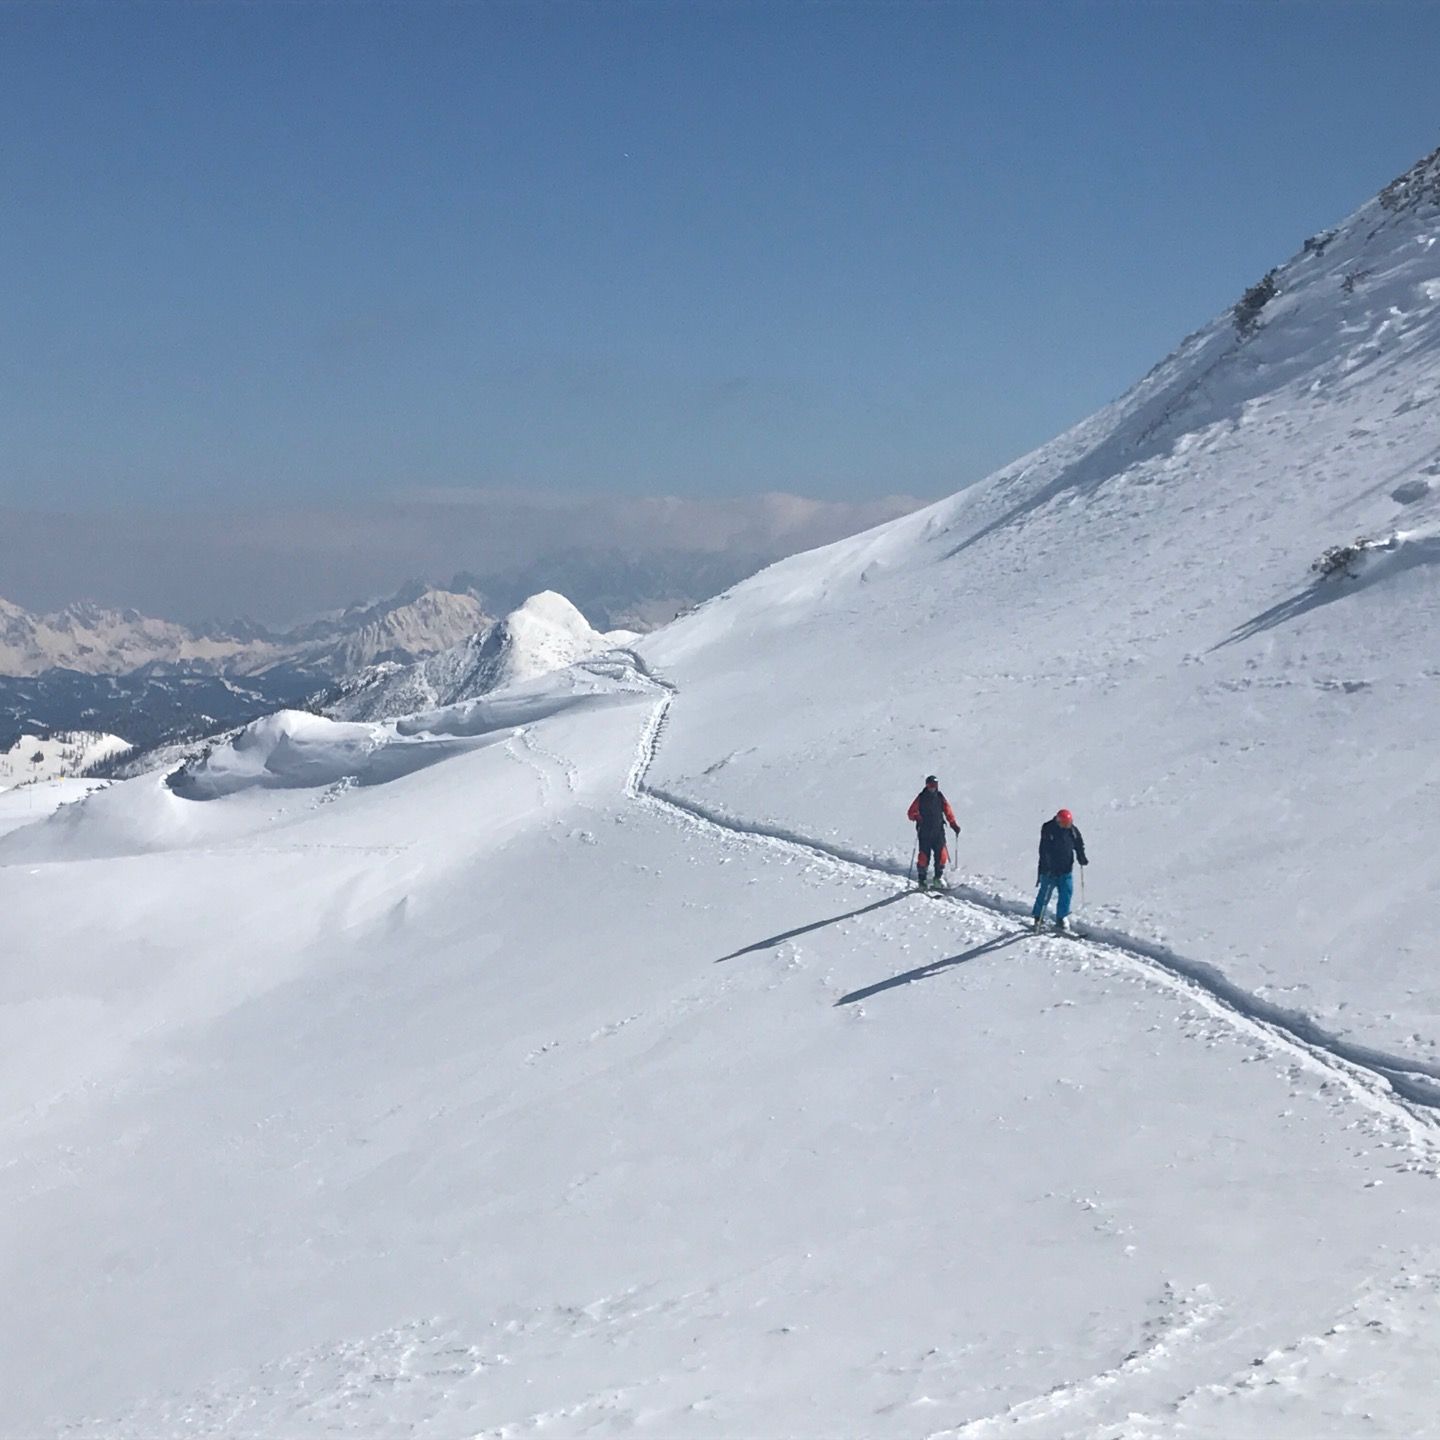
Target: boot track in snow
[(1403, 1091)]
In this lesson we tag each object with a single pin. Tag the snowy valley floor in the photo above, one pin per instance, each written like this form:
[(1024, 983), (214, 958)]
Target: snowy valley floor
[(502, 1098)]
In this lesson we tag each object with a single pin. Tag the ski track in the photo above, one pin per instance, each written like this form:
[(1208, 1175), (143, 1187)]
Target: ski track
[(525, 736), (1395, 1088), (1194, 1315)]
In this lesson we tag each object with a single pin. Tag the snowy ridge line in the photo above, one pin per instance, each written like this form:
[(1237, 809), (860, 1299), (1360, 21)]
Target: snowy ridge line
[(1406, 1097)]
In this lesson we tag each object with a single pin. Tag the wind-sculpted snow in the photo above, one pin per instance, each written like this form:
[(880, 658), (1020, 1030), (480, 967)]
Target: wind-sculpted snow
[(296, 751), (29, 804), (293, 750)]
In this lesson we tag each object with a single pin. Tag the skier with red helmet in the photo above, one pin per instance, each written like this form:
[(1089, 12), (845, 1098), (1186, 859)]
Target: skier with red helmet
[(1061, 845), (931, 812)]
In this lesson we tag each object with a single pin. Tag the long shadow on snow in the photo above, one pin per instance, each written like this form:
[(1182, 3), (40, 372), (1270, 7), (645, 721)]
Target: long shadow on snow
[(924, 972), (1322, 592), (1383, 563), (774, 940)]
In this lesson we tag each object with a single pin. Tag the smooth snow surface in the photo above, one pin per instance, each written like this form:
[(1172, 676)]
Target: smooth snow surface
[(573, 1061)]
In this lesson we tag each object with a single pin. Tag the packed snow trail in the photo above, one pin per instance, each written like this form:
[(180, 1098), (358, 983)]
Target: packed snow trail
[(1403, 1094)]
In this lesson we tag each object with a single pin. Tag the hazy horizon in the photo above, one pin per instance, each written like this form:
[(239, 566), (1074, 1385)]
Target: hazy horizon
[(280, 567), (274, 270)]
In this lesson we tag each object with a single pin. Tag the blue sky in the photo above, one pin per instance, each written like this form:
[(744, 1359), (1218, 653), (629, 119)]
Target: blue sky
[(315, 254)]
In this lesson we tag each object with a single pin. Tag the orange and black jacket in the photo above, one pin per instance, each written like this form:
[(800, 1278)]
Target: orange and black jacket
[(930, 811)]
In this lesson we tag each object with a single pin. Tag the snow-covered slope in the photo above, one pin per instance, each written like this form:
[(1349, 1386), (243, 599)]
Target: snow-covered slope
[(26, 804), (574, 1061), (67, 753), (436, 1078), (546, 633), (1128, 622)]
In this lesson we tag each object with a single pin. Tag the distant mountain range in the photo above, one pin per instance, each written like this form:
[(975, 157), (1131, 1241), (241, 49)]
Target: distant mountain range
[(91, 640), (368, 663), (153, 681)]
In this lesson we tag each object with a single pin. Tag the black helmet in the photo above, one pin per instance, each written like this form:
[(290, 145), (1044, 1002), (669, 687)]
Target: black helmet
[(931, 780)]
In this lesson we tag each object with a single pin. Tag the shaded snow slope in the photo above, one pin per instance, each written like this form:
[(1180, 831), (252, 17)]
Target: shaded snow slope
[(336, 1113), (1127, 622), (546, 633)]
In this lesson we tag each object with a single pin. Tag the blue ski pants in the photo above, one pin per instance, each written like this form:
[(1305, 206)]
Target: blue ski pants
[(1063, 886)]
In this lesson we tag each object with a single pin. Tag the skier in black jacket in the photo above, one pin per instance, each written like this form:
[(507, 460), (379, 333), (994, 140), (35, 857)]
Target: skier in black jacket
[(1061, 845), (931, 812)]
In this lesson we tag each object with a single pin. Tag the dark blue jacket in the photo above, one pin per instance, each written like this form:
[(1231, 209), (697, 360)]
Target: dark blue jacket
[(1060, 848)]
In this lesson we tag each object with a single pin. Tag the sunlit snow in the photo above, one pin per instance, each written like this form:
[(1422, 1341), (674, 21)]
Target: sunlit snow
[(574, 1060)]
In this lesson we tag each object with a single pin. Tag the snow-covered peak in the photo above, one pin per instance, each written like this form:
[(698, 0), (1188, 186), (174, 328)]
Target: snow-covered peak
[(94, 640), (550, 608), (422, 624), (546, 633)]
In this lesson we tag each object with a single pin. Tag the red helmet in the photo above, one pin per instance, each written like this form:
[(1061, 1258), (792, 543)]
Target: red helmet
[(1064, 817)]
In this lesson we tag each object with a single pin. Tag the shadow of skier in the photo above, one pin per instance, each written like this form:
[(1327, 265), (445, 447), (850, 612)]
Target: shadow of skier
[(1310, 598), (817, 925), (933, 968)]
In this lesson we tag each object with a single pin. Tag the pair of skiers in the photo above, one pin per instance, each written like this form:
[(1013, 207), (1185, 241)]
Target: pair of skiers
[(1061, 845)]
